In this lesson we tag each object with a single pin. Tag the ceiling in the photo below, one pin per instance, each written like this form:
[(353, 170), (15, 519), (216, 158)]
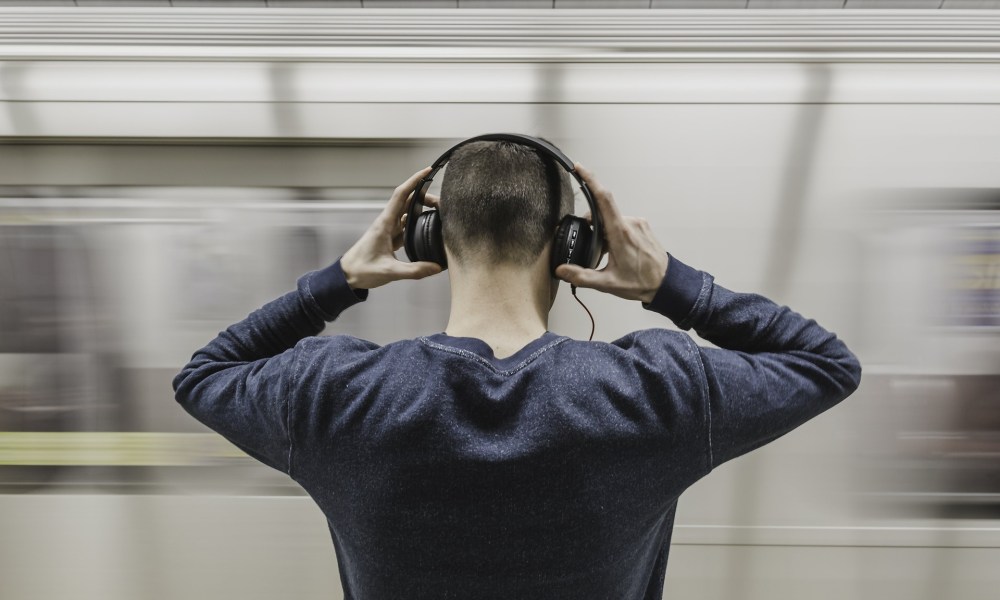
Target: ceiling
[(542, 4)]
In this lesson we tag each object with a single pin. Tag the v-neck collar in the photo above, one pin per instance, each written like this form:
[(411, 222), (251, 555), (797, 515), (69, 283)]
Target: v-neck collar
[(482, 350)]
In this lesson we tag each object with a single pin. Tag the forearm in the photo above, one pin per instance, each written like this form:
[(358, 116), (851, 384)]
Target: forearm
[(320, 296), (244, 382), (739, 321)]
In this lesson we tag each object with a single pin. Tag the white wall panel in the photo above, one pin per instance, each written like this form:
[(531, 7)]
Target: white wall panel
[(410, 4), (141, 3), (314, 3), (602, 4), (48, 86), (699, 4), (505, 3), (796, 4), (974, 4), (220, 3), (914, 4)]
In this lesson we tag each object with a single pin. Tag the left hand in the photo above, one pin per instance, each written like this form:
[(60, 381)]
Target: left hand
[(370, 262)]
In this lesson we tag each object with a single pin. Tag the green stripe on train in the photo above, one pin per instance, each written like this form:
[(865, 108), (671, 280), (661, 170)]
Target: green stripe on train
[(115, 448)]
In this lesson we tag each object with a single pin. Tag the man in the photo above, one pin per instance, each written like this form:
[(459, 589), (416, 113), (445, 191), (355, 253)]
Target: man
[(497, 459)]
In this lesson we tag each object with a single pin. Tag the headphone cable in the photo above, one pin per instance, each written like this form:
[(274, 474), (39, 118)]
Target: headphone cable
[(572, 289)]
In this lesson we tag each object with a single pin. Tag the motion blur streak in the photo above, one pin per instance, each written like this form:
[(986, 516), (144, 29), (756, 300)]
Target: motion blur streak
[(164, 172)]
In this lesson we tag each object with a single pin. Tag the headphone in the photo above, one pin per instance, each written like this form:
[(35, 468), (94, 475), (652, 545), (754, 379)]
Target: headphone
[(577, 242)]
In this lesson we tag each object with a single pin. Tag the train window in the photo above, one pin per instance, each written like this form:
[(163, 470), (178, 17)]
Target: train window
[(973, 288), (29, 297)]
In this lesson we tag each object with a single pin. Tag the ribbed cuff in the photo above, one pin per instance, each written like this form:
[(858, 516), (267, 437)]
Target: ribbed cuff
[(330, 289), (678, 291)]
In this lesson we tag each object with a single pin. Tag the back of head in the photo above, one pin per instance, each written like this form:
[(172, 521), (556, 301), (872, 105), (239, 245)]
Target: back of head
[(501, 203)]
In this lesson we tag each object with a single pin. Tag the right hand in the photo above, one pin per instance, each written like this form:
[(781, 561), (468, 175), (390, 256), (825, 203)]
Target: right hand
[(637, 263), (371, 261)]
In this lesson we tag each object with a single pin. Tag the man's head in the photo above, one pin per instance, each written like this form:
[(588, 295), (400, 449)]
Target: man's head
[(501, 203)]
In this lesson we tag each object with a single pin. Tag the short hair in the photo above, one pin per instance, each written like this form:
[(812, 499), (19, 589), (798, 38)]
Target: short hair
[(501, 202)]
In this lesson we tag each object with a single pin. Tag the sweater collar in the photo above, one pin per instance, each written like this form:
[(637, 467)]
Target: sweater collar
[(482, 349)]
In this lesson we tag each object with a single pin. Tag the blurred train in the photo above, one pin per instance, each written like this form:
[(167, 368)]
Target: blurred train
[(163, 173)]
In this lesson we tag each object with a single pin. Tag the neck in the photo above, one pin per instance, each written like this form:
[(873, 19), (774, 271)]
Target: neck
[(505, 306)]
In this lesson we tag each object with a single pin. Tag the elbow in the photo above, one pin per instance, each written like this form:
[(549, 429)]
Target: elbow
[(181, 390), (188, 380), (844, 366), (855, 370), (851, 372), (842, 370), (185, 383), (189, 392)]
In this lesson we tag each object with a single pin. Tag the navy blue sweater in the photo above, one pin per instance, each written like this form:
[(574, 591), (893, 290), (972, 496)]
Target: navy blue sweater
[(445, 472)]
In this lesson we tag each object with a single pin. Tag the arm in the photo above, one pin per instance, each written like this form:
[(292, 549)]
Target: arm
[(241, 383), (774, 369)]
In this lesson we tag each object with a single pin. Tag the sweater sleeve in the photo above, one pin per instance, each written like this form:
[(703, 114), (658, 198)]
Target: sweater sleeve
[(239, 383), (773, 369)]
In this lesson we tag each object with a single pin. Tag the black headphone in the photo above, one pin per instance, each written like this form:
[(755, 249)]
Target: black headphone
[(577, 242)]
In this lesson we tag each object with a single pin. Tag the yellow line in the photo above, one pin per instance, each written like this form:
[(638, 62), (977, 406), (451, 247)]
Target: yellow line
[(115, 448)]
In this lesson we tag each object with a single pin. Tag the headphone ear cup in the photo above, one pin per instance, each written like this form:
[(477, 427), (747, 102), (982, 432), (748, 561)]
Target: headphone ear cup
[(572, 243), (428, 242)]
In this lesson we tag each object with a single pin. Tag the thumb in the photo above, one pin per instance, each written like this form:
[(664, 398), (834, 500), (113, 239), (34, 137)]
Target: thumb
[(416, 270), (580, 277)]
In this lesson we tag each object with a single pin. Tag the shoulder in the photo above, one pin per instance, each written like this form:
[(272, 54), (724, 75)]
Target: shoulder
[(344, 350), (653, 342), (339, 341), (658, 350), (654, 336)]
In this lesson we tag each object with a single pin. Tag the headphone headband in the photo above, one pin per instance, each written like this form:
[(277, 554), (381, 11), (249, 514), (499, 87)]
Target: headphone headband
[(540, 145)]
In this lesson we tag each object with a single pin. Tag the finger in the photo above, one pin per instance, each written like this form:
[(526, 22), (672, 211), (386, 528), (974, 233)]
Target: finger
[(604, 253), (432, 200), (415, 270), (398, 201), (585, 278), (602, 197), (397, 234), (604, 238)]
